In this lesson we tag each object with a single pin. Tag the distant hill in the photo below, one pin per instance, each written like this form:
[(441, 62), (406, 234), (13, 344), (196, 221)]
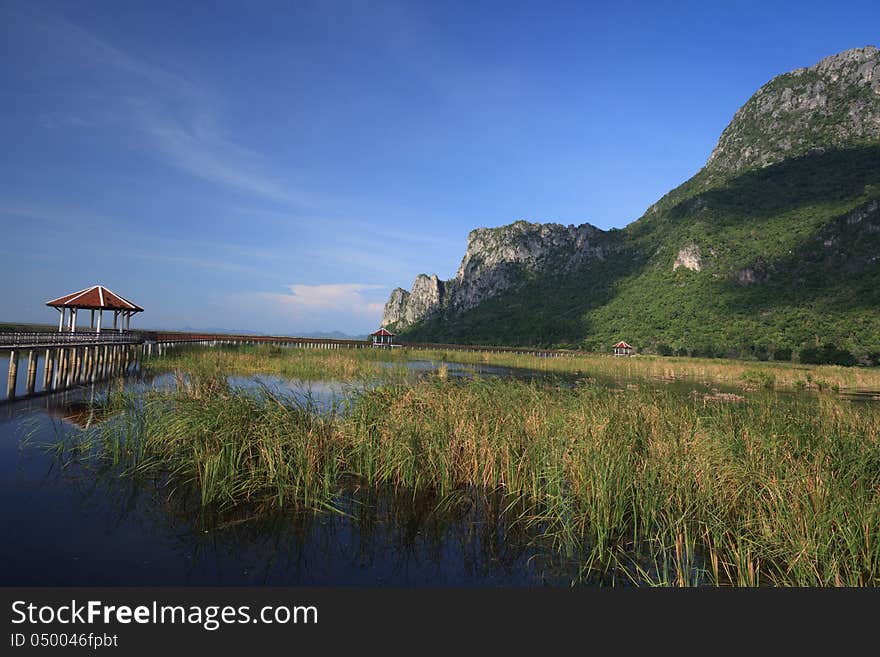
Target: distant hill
[(772, 249)]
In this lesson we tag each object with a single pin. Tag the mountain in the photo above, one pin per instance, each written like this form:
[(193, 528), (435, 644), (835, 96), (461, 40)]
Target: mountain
[(772, 247)]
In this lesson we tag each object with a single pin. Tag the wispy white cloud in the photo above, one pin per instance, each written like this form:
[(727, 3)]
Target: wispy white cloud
[(361, 258), (211, 264), (345, 297), (53, 216), (174, 118), (199, 147), (343, 306)]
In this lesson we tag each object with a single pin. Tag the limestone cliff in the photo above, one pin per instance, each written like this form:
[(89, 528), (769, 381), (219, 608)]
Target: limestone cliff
[(833, 104), (496, 260)]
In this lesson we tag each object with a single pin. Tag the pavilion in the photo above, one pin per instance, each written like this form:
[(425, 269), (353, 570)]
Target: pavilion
[(94, 298), (382, 337), (623, 349)]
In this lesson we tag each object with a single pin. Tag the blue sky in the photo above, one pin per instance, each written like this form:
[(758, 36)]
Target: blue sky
[(281, 166)]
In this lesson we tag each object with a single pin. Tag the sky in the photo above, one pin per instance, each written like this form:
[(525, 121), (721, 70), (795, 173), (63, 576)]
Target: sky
[(280, 167)]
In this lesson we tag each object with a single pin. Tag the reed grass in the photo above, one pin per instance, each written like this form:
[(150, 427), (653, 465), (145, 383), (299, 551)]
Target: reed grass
[(639, 485), (748, 374), (359, 364), (303, 364)]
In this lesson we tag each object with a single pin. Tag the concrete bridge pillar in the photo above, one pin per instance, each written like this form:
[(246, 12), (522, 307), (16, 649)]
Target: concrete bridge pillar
[(47, 369), (58, 380), (31, 372), (78, 366), (13, 374)]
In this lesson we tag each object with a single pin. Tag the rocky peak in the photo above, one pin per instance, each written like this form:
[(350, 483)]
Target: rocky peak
[(525, 243), (406, 308), (496, 259), (832, 104), (395, 307)]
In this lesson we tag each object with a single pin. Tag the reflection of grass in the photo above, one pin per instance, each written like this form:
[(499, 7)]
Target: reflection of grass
[(641, 484)]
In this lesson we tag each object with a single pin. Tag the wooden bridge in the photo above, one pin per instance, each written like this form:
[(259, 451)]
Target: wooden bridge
[(214, 339), (68, 359)]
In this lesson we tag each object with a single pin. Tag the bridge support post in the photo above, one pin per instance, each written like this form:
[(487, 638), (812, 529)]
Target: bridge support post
[(78, 366), (59, 369), (61, 376), (64, 381), (75, 365), (86, 365), (70, 367), (47, 369), (90, 364), (31, 372), (13, 374)]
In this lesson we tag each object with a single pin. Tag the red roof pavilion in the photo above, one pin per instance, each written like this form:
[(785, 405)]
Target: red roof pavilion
[(96, 297), (623, 349), (382, 336)]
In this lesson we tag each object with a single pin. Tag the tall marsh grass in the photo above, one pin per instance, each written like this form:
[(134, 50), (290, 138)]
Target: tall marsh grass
[(304, 364), (640, 485), (359, 364), (737, 372)]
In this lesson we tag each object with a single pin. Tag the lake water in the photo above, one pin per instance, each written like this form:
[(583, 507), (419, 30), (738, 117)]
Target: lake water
[(70, 527), (65, 526)]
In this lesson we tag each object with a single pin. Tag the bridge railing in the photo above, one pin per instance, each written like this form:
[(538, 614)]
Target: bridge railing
[(46, 338), (184, 338)]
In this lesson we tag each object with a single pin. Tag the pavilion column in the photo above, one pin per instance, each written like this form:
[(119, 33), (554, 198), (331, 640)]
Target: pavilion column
[(100, 317), (115, 318), (61, 320), (92, 320), (73, 320)]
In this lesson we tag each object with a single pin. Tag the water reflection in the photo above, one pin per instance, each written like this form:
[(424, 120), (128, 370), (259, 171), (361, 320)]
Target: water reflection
[(377, 537)]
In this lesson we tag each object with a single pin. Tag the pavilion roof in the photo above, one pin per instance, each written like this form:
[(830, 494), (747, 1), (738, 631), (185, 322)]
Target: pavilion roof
[(382, 331), (623, 345), (96, 297)]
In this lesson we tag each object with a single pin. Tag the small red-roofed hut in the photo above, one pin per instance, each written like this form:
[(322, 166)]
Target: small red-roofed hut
[(623, 349), (383, 337), (96, 298)]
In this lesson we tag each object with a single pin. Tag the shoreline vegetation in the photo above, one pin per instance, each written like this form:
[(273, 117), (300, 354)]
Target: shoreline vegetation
[(639, 484), (350, 365)]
